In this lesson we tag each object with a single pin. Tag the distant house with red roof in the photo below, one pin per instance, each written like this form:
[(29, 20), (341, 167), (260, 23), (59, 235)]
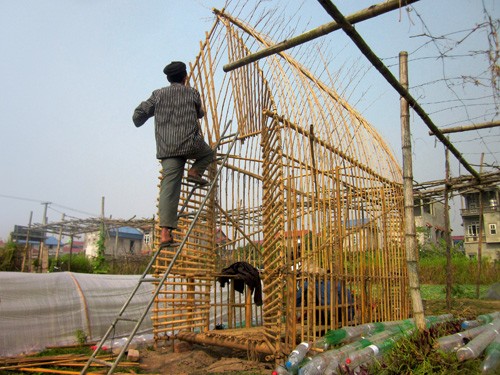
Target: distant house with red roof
[(76, 247)]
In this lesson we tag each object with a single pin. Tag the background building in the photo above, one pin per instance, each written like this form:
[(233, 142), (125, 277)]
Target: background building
[(429, 221), (489, 237), (118, 242)]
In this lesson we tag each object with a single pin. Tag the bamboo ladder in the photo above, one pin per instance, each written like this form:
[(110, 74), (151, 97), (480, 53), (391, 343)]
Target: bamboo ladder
[(159, 282)]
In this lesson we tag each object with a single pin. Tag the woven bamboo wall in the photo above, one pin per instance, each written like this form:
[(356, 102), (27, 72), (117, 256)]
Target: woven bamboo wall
[(311, 196)]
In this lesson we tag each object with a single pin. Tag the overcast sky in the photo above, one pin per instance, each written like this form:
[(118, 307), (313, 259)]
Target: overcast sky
[(74, 70)]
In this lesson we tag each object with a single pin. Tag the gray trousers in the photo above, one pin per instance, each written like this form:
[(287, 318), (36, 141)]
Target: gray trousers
[(170, 186)]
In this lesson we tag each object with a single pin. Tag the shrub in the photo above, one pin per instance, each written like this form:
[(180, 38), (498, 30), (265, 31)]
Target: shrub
[(464, 270), (11, 257), (79, 263)]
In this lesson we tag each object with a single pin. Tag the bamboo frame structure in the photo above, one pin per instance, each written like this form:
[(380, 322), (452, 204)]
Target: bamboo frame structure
[(312, 197)]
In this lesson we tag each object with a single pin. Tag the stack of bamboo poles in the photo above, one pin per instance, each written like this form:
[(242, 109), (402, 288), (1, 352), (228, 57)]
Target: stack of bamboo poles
[(53, 364)]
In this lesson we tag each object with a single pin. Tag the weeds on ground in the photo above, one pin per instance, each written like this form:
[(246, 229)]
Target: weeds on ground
[(416, 355)]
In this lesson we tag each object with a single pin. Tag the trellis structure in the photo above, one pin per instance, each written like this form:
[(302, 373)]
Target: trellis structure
[(311, 196)]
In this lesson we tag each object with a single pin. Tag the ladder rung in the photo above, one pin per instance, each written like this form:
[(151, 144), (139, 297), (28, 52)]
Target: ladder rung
[(198, 186), (126, 319), (148, 280), (100, 361)]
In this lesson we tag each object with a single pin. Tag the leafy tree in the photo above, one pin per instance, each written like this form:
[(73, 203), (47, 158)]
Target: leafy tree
[(10, 257), (99, 264)]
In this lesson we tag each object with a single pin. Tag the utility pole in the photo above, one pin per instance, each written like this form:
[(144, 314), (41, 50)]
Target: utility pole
[(409, 215)]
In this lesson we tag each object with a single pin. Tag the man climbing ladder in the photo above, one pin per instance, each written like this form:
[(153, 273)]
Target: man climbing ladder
[(177, 109)]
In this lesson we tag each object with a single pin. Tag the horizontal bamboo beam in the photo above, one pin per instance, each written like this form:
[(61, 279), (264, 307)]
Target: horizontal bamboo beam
[(393, 81), (200, 338), (464, 128), (362, 15)]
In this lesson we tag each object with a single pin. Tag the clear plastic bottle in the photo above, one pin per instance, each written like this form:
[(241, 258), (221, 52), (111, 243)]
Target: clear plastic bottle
[(350, 334), (296, 356), (431, 320), (331, 358), (480, 320), (488, 318), (476, 346), (280, 370), (359, 357), (451, 343), (491, 363), (468, 324), (328, 362)]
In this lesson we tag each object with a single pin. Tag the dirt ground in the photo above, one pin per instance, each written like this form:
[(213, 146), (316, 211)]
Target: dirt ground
[(198, 359)]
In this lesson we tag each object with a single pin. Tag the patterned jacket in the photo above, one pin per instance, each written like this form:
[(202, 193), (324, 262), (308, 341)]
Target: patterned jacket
[(176, 109)]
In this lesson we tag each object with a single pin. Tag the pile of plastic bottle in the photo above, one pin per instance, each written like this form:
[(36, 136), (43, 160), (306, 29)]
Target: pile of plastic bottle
[(364, 344)]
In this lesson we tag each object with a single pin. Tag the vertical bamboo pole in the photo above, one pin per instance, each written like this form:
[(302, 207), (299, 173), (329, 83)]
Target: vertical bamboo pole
[(59, 239), (481, 232), (410, 235), (70, 252), (26, 247), (447, 234), (43, 253)]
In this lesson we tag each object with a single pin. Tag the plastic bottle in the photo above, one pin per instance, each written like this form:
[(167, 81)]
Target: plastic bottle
[(477, 345), (296, 356), (350, 334), (329, 361), (451, 343), (359, 357), (491, 363), (320, 362), (431, 320), (488, 318), (280, 370), (480, 320), (468, 324)]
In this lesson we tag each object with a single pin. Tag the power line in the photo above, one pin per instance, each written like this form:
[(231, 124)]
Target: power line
[(50, 203), (21, 198)]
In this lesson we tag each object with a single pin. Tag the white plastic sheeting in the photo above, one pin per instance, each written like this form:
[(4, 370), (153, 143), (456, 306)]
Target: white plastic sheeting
[(41, 310)]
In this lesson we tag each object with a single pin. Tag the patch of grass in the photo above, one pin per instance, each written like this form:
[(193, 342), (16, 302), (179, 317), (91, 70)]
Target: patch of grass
[(80, 349), (435, 292)]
